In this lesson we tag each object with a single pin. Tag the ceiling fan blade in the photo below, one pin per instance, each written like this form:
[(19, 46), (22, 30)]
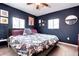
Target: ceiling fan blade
[(29, 3), (45, 4)]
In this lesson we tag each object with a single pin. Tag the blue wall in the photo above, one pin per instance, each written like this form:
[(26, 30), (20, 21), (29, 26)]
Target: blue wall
[(4, 29), (65, 30)]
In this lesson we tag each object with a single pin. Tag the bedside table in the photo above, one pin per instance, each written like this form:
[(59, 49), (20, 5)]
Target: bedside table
[(3, 40)]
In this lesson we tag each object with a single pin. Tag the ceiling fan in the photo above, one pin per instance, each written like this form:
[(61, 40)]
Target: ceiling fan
[(39, 5)]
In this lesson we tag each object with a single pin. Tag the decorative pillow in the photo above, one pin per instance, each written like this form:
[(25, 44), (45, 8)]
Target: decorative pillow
[(27, 31), (34, 30)]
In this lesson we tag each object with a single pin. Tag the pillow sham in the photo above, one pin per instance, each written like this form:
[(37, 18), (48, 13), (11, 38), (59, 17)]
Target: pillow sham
[(34, 31), (27, 31)]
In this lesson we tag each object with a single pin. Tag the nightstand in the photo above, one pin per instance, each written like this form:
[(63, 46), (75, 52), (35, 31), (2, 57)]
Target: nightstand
[(3, 40)]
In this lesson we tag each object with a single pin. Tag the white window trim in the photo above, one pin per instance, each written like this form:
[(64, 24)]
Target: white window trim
[(51, 24), (18, 23)]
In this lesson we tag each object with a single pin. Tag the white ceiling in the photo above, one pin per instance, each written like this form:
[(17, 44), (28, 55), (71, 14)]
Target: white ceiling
[(31, 9)]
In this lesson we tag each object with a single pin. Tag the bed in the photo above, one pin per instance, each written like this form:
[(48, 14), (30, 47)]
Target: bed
[(31, 44)]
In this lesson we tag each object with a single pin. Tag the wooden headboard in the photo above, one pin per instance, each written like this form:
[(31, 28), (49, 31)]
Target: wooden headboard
[(16, 32)]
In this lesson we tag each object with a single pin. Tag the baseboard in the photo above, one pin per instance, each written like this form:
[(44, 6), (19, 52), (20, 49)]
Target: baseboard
[(69, 44)]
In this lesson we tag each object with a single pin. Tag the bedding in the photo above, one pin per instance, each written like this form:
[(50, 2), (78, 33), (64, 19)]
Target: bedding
[(30, 44)]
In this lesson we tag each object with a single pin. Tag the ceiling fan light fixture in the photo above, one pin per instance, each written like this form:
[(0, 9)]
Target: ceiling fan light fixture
[(37, 3)]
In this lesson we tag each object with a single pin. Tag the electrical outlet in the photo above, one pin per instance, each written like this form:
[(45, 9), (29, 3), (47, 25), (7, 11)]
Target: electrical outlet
[(68, 38)]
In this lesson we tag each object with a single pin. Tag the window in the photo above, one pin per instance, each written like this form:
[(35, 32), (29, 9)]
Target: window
[(18, 23), (53, 24)]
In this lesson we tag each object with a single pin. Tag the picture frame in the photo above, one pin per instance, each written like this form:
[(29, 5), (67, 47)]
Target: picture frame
[(4, 13), (30, 21), (39, 24), (3, 20), (43, 24), (39, 20)]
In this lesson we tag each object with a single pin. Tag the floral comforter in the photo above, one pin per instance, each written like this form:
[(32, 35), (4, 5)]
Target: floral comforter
[(29, 44)]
